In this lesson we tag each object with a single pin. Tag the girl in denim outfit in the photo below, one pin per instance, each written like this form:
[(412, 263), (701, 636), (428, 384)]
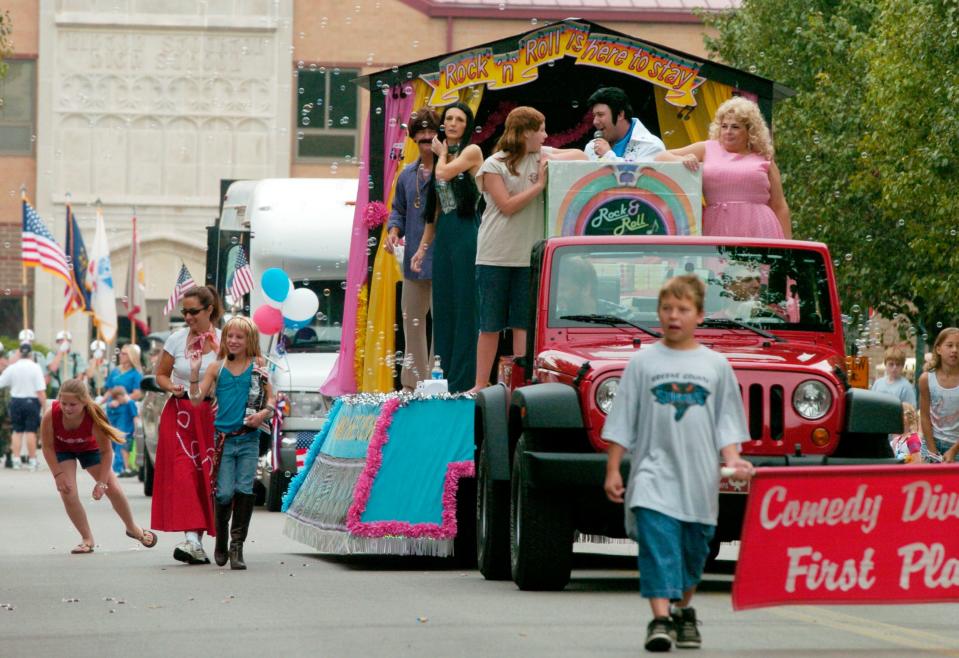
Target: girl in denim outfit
[(236, 444)]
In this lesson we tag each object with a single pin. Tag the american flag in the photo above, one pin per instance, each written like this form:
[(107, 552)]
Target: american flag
[(183, 283), (241, 282), (40, 248)]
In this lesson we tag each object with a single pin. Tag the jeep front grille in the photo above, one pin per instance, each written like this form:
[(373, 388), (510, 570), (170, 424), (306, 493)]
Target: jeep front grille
[(757, 398)]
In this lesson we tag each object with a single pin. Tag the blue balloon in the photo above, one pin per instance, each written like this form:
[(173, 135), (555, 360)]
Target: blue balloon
[(275, 284), (294, 325)]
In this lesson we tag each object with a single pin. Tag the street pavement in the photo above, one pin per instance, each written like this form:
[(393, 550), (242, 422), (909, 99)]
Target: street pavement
[(125, 600)]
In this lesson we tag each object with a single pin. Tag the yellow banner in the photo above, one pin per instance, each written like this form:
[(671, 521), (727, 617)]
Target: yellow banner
[(678, 76)]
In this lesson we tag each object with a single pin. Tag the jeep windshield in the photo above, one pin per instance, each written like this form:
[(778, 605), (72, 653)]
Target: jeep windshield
[(766, 288), (324, 332)]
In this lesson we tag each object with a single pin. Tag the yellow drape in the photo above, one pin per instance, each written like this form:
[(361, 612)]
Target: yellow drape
[(677, 132), (379, 343)]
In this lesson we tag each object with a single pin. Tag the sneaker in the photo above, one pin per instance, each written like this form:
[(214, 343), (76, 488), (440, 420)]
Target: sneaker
[(33, 465), (190, 553), (685, 622), (17, 463), (660, 634)]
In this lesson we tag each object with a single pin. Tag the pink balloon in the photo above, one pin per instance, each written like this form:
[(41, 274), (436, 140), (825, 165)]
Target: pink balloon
[(268, 320)]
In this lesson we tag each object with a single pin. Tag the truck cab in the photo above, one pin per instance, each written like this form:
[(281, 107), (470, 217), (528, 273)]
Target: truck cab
[(771, 309), (302, 226)]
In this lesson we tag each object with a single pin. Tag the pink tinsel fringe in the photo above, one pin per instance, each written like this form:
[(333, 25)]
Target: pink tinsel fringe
[(375, 214), (361, 493)]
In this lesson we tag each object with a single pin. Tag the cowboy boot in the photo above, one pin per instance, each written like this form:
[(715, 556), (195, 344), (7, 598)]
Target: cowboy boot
[(242, 511), (221, 516)]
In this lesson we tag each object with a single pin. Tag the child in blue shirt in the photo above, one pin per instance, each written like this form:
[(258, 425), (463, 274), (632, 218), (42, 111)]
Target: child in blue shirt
[(122, 413), (894, 383)]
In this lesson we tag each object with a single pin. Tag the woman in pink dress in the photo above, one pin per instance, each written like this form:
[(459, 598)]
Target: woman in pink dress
[(741, 183)]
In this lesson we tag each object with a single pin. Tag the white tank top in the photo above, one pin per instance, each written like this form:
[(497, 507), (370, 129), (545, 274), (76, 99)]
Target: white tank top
[(943, 410)]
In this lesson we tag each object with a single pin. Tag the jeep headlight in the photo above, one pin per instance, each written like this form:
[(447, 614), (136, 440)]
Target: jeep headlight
[(606, 393), (306, 404), (812, 399)]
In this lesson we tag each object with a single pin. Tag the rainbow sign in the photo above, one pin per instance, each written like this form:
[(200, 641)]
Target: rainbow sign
[(598, 198)]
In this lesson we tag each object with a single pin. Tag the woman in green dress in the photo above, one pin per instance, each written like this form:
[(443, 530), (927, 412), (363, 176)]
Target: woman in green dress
[(453, 218)]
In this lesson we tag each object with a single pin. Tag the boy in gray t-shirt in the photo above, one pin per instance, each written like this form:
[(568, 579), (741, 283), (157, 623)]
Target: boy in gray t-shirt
[(894, 383), (677, 411)]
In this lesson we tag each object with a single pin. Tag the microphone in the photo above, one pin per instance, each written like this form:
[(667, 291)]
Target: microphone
[(598, 134), (230, 357)]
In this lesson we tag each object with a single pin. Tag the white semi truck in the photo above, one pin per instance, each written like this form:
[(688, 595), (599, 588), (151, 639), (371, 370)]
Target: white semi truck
[(302, 226)]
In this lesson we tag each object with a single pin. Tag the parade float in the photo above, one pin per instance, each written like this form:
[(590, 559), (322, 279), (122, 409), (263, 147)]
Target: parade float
[(336, 502)]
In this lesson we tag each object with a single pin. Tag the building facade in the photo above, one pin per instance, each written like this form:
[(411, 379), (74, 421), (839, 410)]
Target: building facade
[(145, 105)]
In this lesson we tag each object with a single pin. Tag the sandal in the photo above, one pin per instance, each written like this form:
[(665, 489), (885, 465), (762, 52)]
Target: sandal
[(82, 549), (147, 537)]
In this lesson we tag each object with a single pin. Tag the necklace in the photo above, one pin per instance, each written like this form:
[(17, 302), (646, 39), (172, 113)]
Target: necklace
[(424, 176)]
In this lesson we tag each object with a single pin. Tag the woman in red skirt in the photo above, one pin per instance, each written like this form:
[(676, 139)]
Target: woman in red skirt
[(182, 501)]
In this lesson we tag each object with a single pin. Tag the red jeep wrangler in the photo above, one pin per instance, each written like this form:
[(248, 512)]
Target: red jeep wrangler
[(771, 308)]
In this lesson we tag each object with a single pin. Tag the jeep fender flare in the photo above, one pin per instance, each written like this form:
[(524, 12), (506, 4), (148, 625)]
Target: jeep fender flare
[(869, 412), (492, 429), (547, 406)]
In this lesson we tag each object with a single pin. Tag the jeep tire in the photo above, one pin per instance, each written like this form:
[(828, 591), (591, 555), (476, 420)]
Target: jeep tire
[(541, 532), (147, 473), (492, 522), (279, 482)]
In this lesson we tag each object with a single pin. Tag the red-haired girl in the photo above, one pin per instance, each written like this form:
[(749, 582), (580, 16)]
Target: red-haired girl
[(512, 181)]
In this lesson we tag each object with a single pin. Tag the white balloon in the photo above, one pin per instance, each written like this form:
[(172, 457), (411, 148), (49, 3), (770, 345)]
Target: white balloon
[(302, 304)]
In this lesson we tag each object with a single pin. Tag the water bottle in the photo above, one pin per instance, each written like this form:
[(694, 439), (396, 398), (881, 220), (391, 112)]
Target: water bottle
[(437, 371)]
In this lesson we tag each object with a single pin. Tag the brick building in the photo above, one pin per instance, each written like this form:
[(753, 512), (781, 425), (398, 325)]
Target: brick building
[(147, 104)]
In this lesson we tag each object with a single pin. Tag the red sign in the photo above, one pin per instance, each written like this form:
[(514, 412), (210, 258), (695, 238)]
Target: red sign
[(877, 534)]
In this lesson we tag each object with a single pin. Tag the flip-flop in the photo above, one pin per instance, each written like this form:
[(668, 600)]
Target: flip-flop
[(82, 549), (148, 538)]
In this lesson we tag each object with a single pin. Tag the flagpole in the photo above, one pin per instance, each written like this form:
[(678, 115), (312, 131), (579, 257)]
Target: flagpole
[(130, 274), (23, 265), (68, 197)]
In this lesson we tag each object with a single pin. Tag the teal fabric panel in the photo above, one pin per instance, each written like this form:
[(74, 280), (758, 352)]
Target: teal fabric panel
[(424, 438)]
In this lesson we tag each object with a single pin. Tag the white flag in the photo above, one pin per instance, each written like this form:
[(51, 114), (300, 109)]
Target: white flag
[(99, 280)]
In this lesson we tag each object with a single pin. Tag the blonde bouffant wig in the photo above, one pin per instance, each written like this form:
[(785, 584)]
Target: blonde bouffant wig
[(747, 113)]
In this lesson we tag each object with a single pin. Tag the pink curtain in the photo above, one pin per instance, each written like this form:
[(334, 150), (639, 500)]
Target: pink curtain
[(342, 379), (399, 105)]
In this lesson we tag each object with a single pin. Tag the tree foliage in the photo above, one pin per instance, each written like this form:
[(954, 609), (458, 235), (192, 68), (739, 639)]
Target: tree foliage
[(6, 47), (868, 146)]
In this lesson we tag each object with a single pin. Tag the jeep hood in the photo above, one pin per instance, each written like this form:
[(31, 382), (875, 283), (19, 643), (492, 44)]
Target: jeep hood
[(741, 354)]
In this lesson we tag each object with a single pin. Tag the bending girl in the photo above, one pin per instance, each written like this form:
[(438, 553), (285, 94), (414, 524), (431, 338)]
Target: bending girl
[(75, 430)]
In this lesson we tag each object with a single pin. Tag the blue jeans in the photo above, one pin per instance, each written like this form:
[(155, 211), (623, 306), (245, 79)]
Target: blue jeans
[(502, 297), (672, 554), (237, 466)]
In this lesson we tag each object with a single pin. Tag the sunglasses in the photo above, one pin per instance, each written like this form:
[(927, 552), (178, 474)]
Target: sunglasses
[(192, 311)]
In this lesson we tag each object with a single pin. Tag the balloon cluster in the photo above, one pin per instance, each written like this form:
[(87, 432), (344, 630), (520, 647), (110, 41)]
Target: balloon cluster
[(285, 306)]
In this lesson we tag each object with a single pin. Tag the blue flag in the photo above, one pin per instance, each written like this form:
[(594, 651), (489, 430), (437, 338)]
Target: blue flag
[(77, 293)]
